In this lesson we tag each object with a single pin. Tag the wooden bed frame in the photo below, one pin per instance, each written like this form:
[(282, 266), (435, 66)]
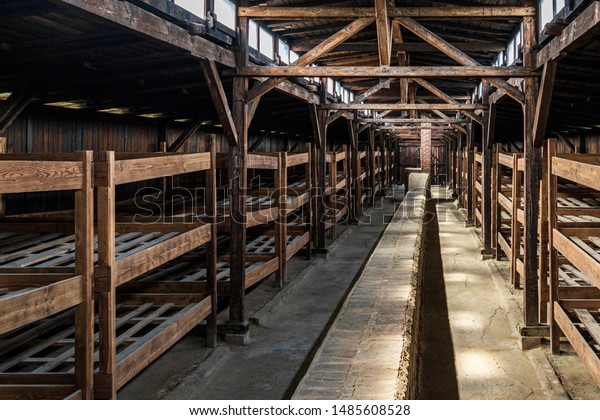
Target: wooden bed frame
[(46, 278)]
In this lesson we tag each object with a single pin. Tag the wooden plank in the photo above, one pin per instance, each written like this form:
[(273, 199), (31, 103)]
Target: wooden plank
[(134, 170), (458, 55), (311, 56), (542, 109), (316, 12), (577, 256), (590, 323), (21, 308), (39, 176), (282, 72), (262, 161), (403, 107), (579, 172), (219, 99), (585, 352), (295, 159), (306, 45)]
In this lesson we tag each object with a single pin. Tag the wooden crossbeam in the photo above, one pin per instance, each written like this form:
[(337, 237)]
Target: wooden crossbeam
[(412, 120), (404, 107), (217, 93), (180, 141), (13, 106), (316, 125), (384, 39), (459, 56), (446, 98), (401, 47), (344, 13), (392, 71), (358, 100), (312, 55), (542, 108)]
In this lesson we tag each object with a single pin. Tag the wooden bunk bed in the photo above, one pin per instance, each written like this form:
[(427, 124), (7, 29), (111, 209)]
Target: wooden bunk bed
[(575, 314), (477, 188), (136, 328), (509, 213), (46, 304), (337, 191), (363, 177)]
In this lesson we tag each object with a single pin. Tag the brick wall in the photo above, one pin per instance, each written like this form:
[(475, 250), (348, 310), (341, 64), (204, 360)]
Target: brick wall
[(426, 149)]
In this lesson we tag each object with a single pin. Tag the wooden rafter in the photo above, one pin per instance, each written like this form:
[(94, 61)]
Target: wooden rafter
[(412, 120), (446, 98), (282, 72), (13, 106), (542, 109), (311, 56), (183, 137), (301, 13), (384, 36), (456, 54), (401, 47), (359, 99), (217, 93), (404, 107)]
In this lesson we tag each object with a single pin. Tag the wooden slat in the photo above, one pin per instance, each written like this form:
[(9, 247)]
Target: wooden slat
[(39, 176), (580, 172), (577, 256), (133, 170)]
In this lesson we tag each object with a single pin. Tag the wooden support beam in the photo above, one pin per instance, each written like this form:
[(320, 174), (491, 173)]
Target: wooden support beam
[(532, 173), (316, 126), (183, 137), (584, 28), (217, 93), (384, 36), (133, 18), (258, 142), (542, 108), (3, 149), (344, 13), (413, 120), (312, 55), (404, 107), (486, 175), (321, 171), (401, 47), (358, 100), (568, 142), (491, 126), (13, 106), (446, 98), (282, 72), (458, 55)]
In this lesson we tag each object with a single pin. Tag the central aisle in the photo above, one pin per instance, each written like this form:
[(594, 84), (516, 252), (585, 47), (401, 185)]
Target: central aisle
[(469, 339)]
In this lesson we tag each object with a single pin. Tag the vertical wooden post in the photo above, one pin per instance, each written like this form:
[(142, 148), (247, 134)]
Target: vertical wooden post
[(553, 268), (372, 180), (494, 198), (348, 178), (281, 222), (497, 190), (515, 228), (314, 195), (532, 174), (459, 167), (237, 187), (469, 170), (3, 149), (332, 184), (104, 386), (308, 220), (211, 247), (473, 197), (84, 266), (543, 289), (382, 163), (356, 181), (322, 169), (486, 174)]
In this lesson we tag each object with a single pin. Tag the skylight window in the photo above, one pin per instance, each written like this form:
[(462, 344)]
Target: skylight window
[(546, 12), (284, 52), (266, 43), (253, 35), (225, 11), (197, 7), (293, 56)]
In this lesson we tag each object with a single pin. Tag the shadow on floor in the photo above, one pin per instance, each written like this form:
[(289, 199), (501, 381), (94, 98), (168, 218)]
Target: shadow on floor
[(437, 372)]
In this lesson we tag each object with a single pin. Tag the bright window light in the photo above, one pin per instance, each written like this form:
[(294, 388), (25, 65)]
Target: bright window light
[(560, 4), (510, 52), (293, 56), (266, 43), (196, 7), (546, 12), (253, 35), (225, 11), (330, 86), (284, 52)]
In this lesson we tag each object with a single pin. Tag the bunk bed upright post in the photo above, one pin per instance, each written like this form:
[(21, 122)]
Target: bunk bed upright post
[(552, 185), (372, 180), (348, 177), (281, 197), (84, 266), (104, 173), (497, 191), (211, 247), (333, 189), (309, 209), (473, 196), (515, 229), (494, 198), (3, 149), (543, 288)]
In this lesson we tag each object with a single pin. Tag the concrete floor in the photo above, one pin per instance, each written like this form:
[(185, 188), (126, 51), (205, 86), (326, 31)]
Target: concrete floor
[(469, 342)]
